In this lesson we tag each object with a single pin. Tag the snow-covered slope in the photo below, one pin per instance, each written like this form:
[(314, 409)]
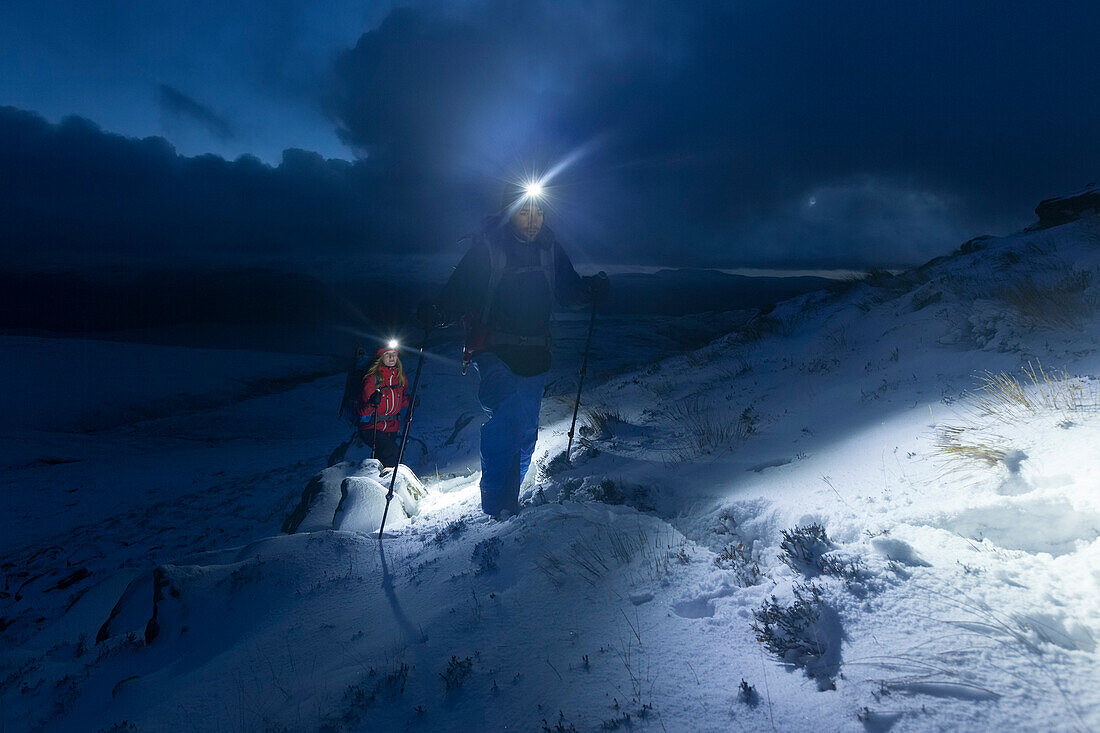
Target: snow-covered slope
[(872, 508)]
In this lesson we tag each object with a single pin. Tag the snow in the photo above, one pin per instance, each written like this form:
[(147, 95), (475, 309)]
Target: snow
[(833, 502)]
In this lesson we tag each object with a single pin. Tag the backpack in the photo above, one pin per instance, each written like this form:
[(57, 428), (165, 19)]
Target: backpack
[(476, 324), (353, 387)]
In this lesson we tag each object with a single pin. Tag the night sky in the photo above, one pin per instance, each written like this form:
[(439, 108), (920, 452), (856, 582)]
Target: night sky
[(721, 134)]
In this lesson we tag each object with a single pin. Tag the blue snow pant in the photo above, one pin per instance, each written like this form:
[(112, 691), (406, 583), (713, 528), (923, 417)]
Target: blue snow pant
[(508, 438)]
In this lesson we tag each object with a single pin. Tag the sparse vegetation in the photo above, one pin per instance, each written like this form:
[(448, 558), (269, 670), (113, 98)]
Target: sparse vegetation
[(1004, 395), (359, 697), (747, 694), (803, 548), (791, 632), (561, 726), (703, 429), (1063, 303), (456, 672), (452, 530), (485, 555), (591, 556), (553, 466), (952, 442), (1008, 398), (598, 422), (736, 557)]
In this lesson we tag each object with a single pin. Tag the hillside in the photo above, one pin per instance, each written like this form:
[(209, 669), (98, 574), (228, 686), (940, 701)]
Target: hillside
[(874, 508)]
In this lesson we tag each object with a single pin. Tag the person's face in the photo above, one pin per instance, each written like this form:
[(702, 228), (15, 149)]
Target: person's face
[(389, 358), (527, 221)]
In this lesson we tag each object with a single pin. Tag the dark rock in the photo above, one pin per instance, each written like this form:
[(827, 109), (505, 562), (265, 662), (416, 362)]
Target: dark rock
[(1064, 209)]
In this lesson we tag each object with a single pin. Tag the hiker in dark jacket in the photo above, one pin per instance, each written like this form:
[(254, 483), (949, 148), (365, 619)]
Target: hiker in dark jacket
[(384, 396), (503, 291)]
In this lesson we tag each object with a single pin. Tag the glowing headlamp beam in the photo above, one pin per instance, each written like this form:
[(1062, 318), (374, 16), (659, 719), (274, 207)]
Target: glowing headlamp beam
[(392, 344), (533, 190)]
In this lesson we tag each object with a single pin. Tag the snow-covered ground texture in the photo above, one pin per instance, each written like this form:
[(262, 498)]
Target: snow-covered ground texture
[(871, 508)]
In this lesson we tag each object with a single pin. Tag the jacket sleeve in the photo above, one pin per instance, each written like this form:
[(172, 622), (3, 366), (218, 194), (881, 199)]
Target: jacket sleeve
[(365, 407), (568, 284), (467, 285)]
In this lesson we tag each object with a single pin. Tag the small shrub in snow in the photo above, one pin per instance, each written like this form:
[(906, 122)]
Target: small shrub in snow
[(358, 698), (848, 571), (791, 632), (747, 694), (456, 673), (610, 492), (452, 530), (562, 726), (555, 465), (736, 557), (747, 422), (803, 547), (486, 554)]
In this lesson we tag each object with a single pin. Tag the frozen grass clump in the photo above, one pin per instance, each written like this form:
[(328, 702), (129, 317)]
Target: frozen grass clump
[(1010, 399), (737, 558), (1006, 396), (803, 548), (954, 442), (788, 631), (486, 554), (599, 421), (1065, 302), (702, 429), (805, 634), (456, 672)]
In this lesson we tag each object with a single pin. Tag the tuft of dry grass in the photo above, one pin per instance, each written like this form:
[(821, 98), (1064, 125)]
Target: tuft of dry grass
[(598, 421), (951, 442), (701, 429), (1063, 303), (1008, 398), (1004, 395)]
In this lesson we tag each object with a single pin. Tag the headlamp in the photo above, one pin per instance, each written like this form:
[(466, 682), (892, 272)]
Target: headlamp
[(533, 190)]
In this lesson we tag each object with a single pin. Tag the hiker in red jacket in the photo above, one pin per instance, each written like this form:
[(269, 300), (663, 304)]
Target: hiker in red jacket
[(384, 396)]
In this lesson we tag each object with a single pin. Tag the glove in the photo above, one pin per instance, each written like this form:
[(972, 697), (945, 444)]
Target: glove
[(430, 315), (375, 398), (597, 287)]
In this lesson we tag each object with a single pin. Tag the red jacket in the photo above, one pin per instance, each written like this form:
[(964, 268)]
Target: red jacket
[(395, 397)]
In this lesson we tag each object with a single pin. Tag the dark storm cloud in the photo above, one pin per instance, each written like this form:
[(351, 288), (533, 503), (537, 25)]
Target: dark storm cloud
[(179, 105), (723, 134), (918, 125), (73, 191)]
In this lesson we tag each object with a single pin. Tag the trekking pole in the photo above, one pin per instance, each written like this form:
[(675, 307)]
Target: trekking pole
[(580, 381), (405, 433), (374, 438)]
